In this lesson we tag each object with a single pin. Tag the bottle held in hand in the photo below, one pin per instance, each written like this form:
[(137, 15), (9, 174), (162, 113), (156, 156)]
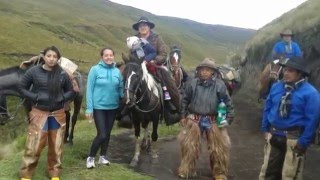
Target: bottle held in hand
[(222, 114)]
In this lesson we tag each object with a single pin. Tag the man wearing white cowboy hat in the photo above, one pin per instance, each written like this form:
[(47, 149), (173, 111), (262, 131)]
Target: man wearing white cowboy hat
[(286, 48), (198, 116), (290, 118)]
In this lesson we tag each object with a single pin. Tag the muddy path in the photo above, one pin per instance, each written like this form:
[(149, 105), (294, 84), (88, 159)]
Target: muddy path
[(246, 151)]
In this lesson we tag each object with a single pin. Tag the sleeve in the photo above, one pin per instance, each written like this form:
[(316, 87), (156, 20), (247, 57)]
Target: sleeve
[(186, 99), (276, 52), (25, 84), (150, 52), (265, 125), (121, 85), (68, 92), (161, 51), (89, 92), (312, 118), (297, 50)]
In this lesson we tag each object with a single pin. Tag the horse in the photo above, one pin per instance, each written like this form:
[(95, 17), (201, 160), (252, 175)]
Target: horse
[(270, 74), (230, 77), (174, 65), (143, 99), (10, 78)]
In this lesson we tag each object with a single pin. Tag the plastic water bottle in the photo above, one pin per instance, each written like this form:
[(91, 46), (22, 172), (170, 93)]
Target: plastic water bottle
[(222, 114)]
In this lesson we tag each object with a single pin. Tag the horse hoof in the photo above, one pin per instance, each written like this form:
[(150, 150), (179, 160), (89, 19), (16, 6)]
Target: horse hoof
[(155, 160), (133, 163)]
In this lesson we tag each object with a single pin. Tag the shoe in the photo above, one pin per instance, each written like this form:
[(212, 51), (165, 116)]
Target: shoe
[(55, 178), (103, 161), (220, 177), (90, 162), (167, 95), (183, 176)]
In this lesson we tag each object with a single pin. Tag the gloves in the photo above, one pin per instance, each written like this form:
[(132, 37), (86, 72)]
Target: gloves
[(299, 150)]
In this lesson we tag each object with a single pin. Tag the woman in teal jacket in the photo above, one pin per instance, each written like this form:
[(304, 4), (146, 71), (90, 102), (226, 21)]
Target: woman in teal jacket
[(104, 91)]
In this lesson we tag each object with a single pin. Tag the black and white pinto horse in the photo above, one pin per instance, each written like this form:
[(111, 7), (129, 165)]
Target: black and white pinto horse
[(9, 80), (142, 95)]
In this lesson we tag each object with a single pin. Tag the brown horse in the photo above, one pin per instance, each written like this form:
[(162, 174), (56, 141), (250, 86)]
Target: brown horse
[(270, 74), (174, 65)]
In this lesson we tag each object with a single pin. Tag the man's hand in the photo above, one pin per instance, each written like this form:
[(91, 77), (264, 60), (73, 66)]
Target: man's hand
[(299, 150), (267, 136), (183, 122), (230, 120), (152, 62)]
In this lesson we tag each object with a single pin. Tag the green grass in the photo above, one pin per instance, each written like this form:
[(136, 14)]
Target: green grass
[(29, 26), (74, 157)]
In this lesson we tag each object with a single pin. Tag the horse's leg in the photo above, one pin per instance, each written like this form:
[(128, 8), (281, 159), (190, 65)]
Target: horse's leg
[(135, 159), (66, 133), (154, 136), (3, 110), (146, 141), (76, 110)]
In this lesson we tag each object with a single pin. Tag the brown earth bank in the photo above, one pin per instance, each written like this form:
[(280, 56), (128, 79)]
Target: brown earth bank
[(246, 151)]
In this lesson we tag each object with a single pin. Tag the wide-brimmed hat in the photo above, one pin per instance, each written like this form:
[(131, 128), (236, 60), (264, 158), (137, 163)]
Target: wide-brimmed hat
[(296, 63), (143, 20), (207, 62), (286, 32)]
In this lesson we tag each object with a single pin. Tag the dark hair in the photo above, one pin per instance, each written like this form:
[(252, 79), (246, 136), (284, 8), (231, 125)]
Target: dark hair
[(54, 80), (102, 51)]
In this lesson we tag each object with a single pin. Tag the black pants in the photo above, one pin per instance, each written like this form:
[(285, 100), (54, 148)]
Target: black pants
[(104, 120)]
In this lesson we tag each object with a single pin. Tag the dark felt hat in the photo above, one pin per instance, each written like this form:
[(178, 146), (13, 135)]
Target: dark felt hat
[(143, 20), (296, 63)]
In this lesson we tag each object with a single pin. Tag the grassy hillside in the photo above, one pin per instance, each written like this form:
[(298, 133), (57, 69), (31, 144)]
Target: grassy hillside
[(305, 24), (80, 28)]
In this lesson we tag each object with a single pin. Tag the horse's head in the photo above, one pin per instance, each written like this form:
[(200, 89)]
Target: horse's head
[(174, 65), (132, 74), (275, 70)]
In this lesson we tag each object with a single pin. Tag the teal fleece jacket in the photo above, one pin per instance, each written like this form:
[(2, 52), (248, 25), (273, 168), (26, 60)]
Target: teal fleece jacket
[(104, 87)]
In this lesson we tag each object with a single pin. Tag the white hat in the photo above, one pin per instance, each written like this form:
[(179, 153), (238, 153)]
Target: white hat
[(132, 41)]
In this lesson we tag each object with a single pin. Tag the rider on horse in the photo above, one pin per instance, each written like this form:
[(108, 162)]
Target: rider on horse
[(155, 65)]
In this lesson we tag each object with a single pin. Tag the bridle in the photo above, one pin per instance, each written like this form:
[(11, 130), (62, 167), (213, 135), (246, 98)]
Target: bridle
[(135, 91)]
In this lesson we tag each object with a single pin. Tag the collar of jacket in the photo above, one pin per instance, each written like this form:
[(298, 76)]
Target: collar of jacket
[(103, 64)]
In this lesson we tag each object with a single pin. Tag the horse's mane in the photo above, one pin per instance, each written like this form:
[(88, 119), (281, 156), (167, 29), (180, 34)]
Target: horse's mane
[(9, 70)]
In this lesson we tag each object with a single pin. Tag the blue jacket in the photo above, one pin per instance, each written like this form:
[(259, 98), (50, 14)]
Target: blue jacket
[(280, 49), (149, 51), (304, 111), (104, 87)]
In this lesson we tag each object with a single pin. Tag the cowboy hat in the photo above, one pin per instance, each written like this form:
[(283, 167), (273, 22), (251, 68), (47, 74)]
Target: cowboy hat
[(296, 63), (286, 32), (207, 62), (143, 20)]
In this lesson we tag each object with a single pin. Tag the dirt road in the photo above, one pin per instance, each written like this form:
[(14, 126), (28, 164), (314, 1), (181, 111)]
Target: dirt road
[(246, 152)]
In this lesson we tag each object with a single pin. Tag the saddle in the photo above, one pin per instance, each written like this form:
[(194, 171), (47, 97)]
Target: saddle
[(66, 65)]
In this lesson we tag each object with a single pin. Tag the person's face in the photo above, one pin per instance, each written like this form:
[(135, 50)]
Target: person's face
[(108, 56), (50, 58), (205, 73), (287, 38), (291, 75), (144, 28)]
